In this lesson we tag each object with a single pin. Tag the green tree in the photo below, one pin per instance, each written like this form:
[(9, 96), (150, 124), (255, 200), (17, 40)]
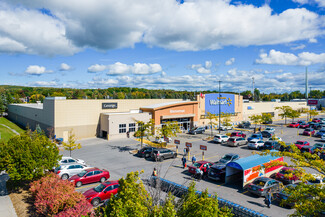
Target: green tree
[(28, 156), (293, 114), (212, 117), (266, 117), (226, 120), (285, 112), (71, 145), (257, 94), (169, 129), (144, 129), (256, 119), (313, 113)]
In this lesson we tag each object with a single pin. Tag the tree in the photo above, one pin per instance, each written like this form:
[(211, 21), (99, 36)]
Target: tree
[(313, 113), (212, 117), (169, 129), (257, 94), (308, 199), (226, 119), (28, 156), (266, 117), (293, 114), (71, 145), (286, 110), (144, 129), (256, 119)]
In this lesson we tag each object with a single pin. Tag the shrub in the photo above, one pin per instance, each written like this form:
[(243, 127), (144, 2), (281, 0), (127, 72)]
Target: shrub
[(54, 196)]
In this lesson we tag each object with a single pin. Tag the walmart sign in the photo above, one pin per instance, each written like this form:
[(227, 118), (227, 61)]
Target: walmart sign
[(226, 102)]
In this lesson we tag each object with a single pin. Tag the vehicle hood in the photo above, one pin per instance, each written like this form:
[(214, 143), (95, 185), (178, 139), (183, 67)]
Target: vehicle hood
[(218, 166), (90, 193), (75, 177)]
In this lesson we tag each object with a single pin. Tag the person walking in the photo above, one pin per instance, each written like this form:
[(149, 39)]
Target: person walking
[(268, 198), (198, 174), (128, 134), (193, 159), (154, 172), (206, 172), (184, 162)]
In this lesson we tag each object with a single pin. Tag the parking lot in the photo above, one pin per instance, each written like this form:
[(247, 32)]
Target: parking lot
[(115, 156)]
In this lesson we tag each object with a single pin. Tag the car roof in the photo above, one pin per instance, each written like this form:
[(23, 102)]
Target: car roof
[(160, 149), (92, 169), (263, 178), (114, 182), (231, 154), (202, 162), (63, 158)]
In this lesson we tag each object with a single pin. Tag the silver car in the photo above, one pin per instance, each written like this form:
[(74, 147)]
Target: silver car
[(220, 138), (236, 141), (66, 171), (70, 160)]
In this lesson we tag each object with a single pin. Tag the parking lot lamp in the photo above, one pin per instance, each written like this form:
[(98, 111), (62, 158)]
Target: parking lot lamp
[(219, 109)]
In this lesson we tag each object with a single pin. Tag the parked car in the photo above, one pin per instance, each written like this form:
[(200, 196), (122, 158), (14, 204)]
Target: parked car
[(322, 138), (316, 120), (217, 172), (220, 138), (301, 143), (261, 185), (272, 145), (238, 134), (197, 130), (320, 133), (102, 192), (228, 158), (286, 147), (267, 134), (275, 138), (202, 165), (309, 132), (284, 194), (294, 125), (146, 151), (317, 148), (163, 139), (70, 160), (286, 175), (256, 144), (303, 124), (307, 148), (90, 175), (270, 129), (255, 136), (225, 128), (318, 180), (244, 124), (161, 154), (66, 171), (236, 141), (315, 125), (268, 122)]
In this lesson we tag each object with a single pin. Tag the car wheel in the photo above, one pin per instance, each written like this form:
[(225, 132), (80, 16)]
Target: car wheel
[(103, 179), (175, 155), (78, 184), (65, 176), (161, 159), (95, 202), (194, 133)]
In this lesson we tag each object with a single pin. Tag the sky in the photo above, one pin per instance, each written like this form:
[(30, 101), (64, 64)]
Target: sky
[(163, 44)]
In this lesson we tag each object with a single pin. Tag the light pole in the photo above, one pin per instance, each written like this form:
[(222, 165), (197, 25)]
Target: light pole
[(219, 108)]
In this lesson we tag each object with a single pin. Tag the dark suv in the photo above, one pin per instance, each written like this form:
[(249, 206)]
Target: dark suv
[(197, 130), (244, 124), (145, 152), (161, 154)]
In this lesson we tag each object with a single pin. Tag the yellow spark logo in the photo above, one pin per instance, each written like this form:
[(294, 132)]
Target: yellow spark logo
[(229, 102)]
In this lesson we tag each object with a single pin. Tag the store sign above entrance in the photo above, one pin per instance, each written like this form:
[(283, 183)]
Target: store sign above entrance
[(109, 105), (226, 102), (177, 111)]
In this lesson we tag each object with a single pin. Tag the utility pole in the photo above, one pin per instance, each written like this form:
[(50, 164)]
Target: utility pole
[(306, 80), (310, 92), (253, 89), (219, 108)]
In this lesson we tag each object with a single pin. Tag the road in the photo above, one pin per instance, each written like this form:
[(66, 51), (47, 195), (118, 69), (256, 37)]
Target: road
[(115, 156)]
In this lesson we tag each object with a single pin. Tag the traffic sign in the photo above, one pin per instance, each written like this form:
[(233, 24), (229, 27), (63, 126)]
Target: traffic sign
[(188, 144), (176, 141), (203, 147)]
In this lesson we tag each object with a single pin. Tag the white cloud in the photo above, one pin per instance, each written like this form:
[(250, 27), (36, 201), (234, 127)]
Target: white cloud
[(163, 23), (273, 72), (199, 68), (36, 70), (230, 61), (65, 67), (298, 47), (119, 69), (279, 58), (96, 68), (321, 3), (144, 69), (43, 84), (208, 64)]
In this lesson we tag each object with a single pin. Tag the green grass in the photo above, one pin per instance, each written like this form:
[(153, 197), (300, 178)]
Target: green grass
[(5, 132)]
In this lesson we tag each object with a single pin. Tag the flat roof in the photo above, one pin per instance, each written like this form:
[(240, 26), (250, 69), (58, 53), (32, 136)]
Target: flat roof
[(155, 106), (30, 105)]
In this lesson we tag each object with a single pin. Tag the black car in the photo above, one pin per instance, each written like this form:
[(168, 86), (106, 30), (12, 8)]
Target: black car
[(228, 158), (272, 145), (268, 122), (267, 134), (244, 124), (286, 147), (146, 151), (217, 172), (283, 195), (315, 126), (197, 130), (161, 154)]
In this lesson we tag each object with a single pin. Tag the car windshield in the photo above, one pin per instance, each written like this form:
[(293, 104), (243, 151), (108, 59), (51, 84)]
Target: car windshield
[(197, 165), (225, 158), (99, 188), (82, 173), (299, 143), (285, 171), (307, 129), (259, 182), (316, 181), (254, 136), (293, 123)]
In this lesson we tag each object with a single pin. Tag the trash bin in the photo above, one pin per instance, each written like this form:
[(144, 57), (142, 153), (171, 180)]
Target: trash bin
[(4, 177)]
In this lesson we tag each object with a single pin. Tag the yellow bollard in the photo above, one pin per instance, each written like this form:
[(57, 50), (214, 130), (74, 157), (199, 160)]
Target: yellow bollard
[(189, 155), (281, 131), (177, 149), (297, 132), (202, 155)]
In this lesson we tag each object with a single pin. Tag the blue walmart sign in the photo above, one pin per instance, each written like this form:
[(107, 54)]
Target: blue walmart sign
[(226, 103)]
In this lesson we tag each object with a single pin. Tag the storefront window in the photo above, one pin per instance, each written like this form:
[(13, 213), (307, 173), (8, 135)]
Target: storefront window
[(122, 128), (132, 127)]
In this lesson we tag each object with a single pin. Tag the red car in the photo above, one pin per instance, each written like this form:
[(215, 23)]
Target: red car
[(199, 164), (286, 175), (238, 134), (102, 192), (304, 125), (309, 132), (89, 176), (316, 120), (301, 144), (294, 125)]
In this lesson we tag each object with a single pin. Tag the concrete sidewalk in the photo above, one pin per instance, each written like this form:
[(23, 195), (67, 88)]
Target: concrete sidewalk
[(6, 207)]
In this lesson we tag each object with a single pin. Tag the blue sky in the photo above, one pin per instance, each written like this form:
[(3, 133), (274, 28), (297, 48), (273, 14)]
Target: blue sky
[(184, 45)]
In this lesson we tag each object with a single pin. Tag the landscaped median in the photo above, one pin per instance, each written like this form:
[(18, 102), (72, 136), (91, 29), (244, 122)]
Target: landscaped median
[(8, 129)]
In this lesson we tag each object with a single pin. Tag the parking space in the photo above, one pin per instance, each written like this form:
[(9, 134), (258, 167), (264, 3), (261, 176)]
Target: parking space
[(115, 156)]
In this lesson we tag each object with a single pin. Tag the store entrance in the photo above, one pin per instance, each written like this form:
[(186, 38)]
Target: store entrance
[(185, 124)]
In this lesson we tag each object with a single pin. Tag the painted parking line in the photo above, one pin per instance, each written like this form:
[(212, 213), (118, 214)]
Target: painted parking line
[(87, 186)]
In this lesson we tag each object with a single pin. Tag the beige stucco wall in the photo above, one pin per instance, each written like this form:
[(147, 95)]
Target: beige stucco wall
[(265, 107)]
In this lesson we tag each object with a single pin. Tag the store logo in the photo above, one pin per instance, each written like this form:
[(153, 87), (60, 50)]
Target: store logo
[(221, 101), (177, 111), (109, 105)]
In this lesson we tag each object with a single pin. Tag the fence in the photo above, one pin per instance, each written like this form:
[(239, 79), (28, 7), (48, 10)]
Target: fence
[(179, 190)]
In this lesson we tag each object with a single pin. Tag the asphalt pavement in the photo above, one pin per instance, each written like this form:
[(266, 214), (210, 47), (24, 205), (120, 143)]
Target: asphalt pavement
[(115, 156)]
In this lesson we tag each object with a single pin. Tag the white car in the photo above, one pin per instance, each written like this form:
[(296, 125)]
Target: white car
[(220, 138), (275, 138), (224, 128), (66, 171), (70, 160), (256, 144), (162, 140), (319, 180), (270, 129)]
